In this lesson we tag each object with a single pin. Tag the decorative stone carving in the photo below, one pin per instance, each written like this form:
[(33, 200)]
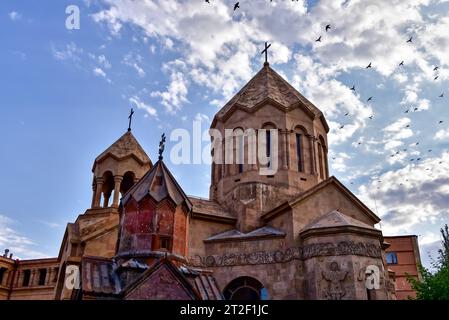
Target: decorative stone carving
[(334, 276), (283, 256)]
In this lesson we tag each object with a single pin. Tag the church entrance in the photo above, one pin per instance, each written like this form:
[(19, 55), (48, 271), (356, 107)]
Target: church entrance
[(245, 288)]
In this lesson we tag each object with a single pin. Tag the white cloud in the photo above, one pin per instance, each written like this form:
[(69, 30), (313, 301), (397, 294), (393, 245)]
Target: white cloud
[(442, 135), (133, 61), (21, 246), (99, 72), (14, 16), (150, 111), (68, 52)]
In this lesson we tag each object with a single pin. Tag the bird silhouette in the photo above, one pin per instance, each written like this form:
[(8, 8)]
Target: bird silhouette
[(237, 6), (318, 40), (415, 109), (406, 111), (371, 117), (435, 78), (342, 126), (418, 159), (346, 114), (410, 40), (435, 69), (207, 1), (430, 150), (369, 99), (407, 126), (412, 159), (368, 66), (405, 150), (440, 122), (328, 27), (417, 143), (402, 63), (353, 88), (441, 95)]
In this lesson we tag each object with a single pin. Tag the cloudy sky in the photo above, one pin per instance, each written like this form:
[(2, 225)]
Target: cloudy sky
[(66, 94)]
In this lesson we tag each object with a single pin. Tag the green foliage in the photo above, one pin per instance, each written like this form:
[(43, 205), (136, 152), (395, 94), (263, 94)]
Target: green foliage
[(434, 286)]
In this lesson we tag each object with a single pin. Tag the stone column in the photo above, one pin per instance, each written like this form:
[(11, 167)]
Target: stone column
[(18, 279), (32, 277), (312, 154), (98, 190), (118, 182), (94, 193), (47, 277)]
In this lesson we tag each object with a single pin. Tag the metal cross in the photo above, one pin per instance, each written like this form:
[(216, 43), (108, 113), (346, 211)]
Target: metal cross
[(162, 146), (130, 118), (266, 51)]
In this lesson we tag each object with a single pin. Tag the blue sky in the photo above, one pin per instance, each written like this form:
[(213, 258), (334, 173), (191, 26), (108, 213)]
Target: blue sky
[(66, 94)]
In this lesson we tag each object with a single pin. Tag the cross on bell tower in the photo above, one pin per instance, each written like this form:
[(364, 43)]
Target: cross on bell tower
[(267, 46)]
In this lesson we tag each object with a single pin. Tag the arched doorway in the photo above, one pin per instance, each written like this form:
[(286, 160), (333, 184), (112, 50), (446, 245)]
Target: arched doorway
[(245, 288)]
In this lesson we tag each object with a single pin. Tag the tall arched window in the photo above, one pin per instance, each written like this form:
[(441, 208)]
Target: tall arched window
[(320, 160), (323, 158), (269, 142), (239, 149), (108, 187), (245, 288)]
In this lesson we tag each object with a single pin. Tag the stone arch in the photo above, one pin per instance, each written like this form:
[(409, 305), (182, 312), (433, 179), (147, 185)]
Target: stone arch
[(245, 288), (128, 181), (108, 187), (301, 147), (322, 158)]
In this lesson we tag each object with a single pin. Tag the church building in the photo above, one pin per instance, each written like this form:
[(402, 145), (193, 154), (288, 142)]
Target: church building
[(297, 233)]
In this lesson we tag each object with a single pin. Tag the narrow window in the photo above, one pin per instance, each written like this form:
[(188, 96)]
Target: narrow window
[(2, 274), (392, 258), (42, 276), (241, 153), (269, 147), (165, 243), (298, 152), (320, 160), (26, 278)]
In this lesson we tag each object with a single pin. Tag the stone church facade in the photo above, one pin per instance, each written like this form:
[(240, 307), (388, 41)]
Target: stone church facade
[(295, 234)]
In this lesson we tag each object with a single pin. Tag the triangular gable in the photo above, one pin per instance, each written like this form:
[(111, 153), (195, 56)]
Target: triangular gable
[(313, 191), (162, 281)]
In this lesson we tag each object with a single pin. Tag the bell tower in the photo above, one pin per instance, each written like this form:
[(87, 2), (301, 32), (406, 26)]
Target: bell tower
[(266, 117), (116, 170)]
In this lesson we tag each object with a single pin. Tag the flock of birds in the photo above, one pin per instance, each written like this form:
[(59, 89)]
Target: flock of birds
[(327, 29)]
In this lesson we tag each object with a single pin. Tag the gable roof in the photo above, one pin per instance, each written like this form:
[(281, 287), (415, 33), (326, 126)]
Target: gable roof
[(310, 192), (174, 272), (336, 219), (236, 235), (126, 146), (159, 183), (268, 85)]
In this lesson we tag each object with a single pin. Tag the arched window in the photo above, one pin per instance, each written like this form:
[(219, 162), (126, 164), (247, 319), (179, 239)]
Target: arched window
[(300, 147), (239, 149), (128, 182), (320, 160), (269, 141), (322, 154), (108, 187), (245, 288)]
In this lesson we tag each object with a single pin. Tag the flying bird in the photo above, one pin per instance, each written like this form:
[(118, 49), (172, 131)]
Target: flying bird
[(368, 66), (441, 95), (346, 114), (207, 1), (412, 159), (328, 27), (415, 109), (430, 150), (435, 69), (371, 117), (341, 127), (369, 99), (237, 6), (402, 63), (435, 78), (406, 111), (418, 159), (318, 40), (417, 143), (404, 150), (353, 88), (440, 122), (410, 40), (407, 126)]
